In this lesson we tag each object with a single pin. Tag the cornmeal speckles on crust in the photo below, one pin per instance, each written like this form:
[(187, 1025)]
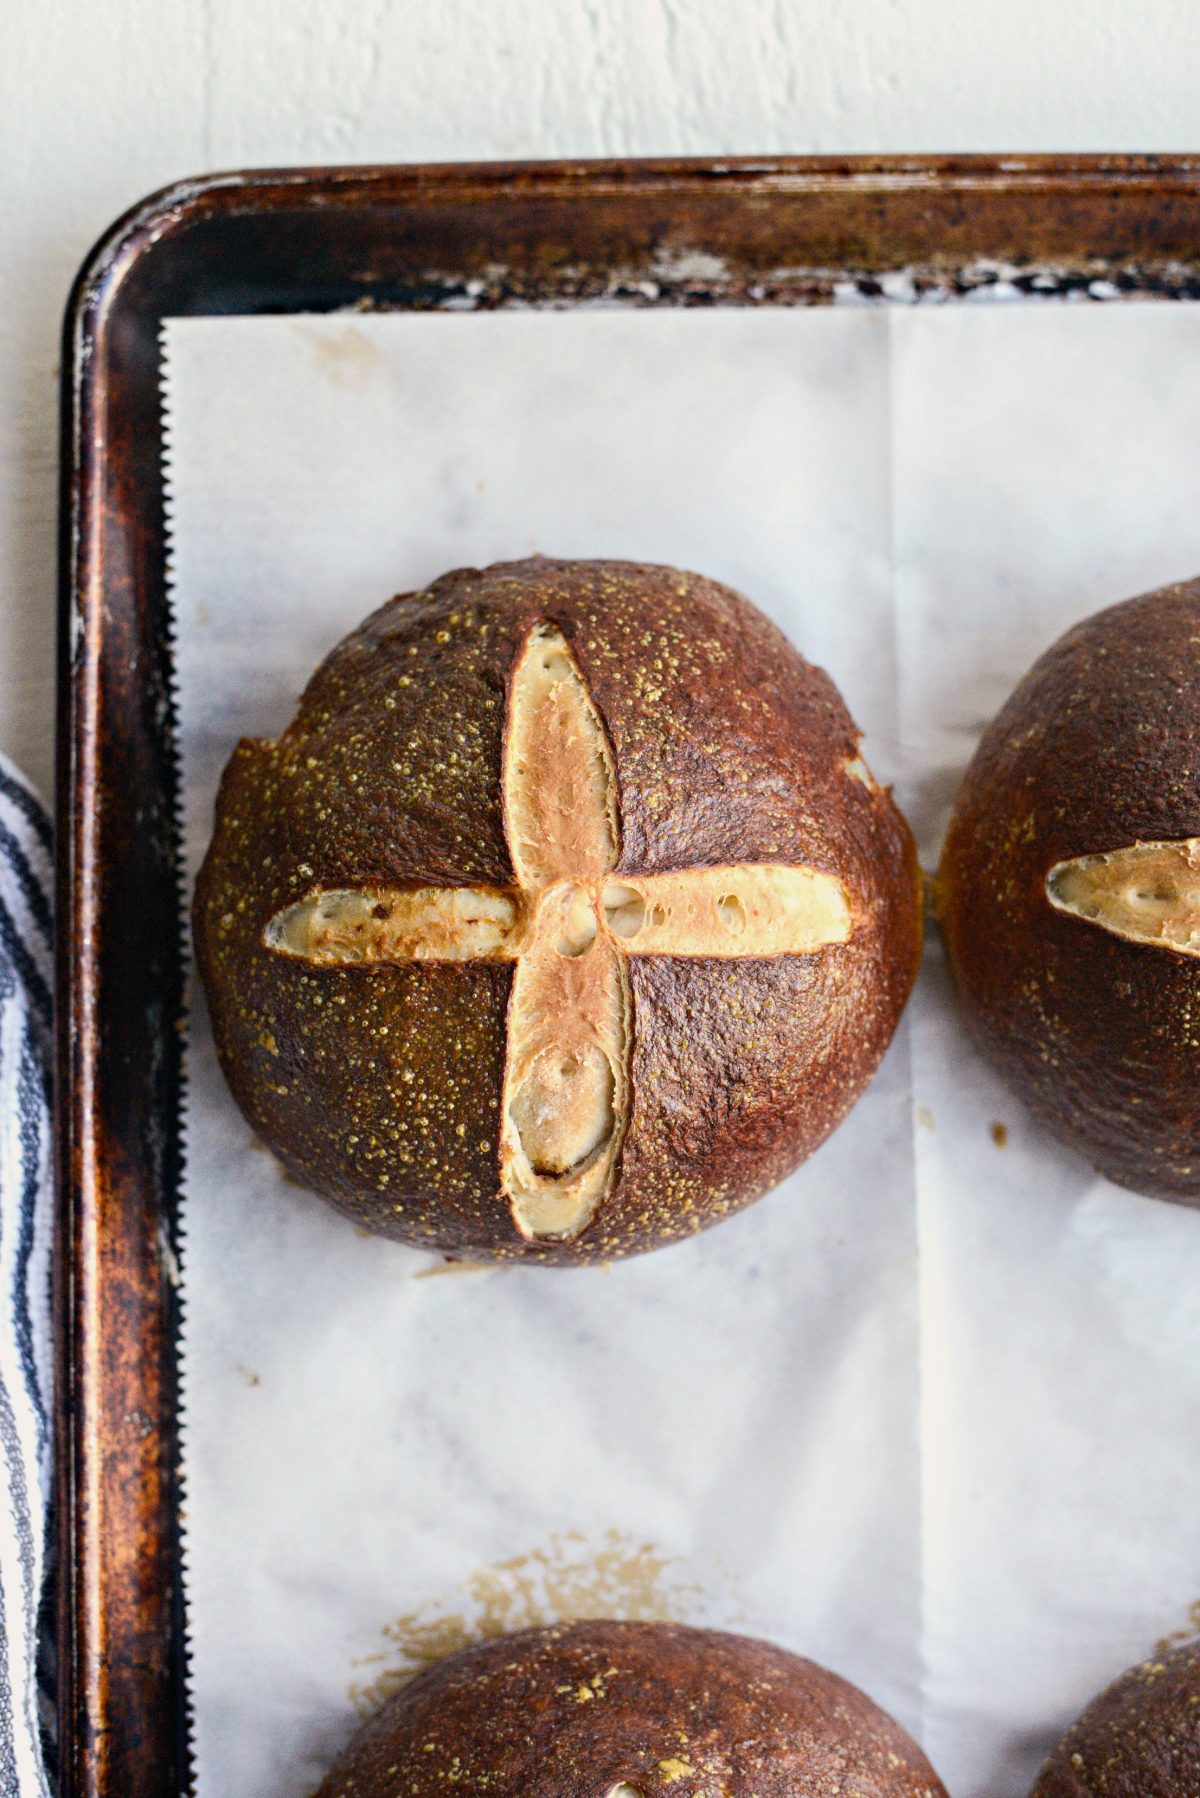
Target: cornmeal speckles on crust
[(634, 1022), (1069, 892), (593, 1710), (1139, 1739)]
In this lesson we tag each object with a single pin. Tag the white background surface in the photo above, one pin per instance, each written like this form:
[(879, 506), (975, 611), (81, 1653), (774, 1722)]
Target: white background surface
[(103, 100)]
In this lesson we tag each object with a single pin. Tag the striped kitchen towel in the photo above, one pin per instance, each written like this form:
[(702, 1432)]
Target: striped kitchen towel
[(26, 956)]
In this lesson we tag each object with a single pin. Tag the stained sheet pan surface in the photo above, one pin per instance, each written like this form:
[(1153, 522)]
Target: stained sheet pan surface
[(763, 235)]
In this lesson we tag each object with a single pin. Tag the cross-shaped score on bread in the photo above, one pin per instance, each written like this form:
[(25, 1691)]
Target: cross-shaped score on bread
[(569, 923)]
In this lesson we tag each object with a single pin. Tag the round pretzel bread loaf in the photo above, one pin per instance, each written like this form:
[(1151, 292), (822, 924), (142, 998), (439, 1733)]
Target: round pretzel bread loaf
[(1069, 891), (630, 1710), (1139, 1739), (564, 918)]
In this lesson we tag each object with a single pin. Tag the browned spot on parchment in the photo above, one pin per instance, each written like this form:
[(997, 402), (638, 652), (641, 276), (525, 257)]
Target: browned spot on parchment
[(347, 357), (571, 1577), (451, 1266), (998, 1133)]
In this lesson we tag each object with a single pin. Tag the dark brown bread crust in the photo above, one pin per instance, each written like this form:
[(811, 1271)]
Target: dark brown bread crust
[(380, 1086), (577, 1710), (1097, 749), (1139, 1739)]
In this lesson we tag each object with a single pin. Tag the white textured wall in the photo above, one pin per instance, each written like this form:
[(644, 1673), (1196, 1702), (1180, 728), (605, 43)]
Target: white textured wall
[(102, 100)]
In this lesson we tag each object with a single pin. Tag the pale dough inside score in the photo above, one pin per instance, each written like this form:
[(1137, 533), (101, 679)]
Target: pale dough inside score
[(1148, 893), (569, 925), (566, 1095), (361, 924)]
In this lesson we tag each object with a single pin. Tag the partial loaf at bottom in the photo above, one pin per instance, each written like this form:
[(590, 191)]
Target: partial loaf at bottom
[(1139, 1739), (631, 1710)]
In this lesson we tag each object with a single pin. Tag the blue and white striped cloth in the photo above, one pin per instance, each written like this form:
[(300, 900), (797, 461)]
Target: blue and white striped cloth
[(26, 957)]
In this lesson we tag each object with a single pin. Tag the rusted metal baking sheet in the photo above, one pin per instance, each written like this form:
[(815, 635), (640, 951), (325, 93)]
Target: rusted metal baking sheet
[(767, 232)]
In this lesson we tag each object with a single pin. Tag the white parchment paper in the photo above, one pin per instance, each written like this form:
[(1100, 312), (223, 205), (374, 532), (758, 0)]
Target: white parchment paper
[(930, 1412)]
